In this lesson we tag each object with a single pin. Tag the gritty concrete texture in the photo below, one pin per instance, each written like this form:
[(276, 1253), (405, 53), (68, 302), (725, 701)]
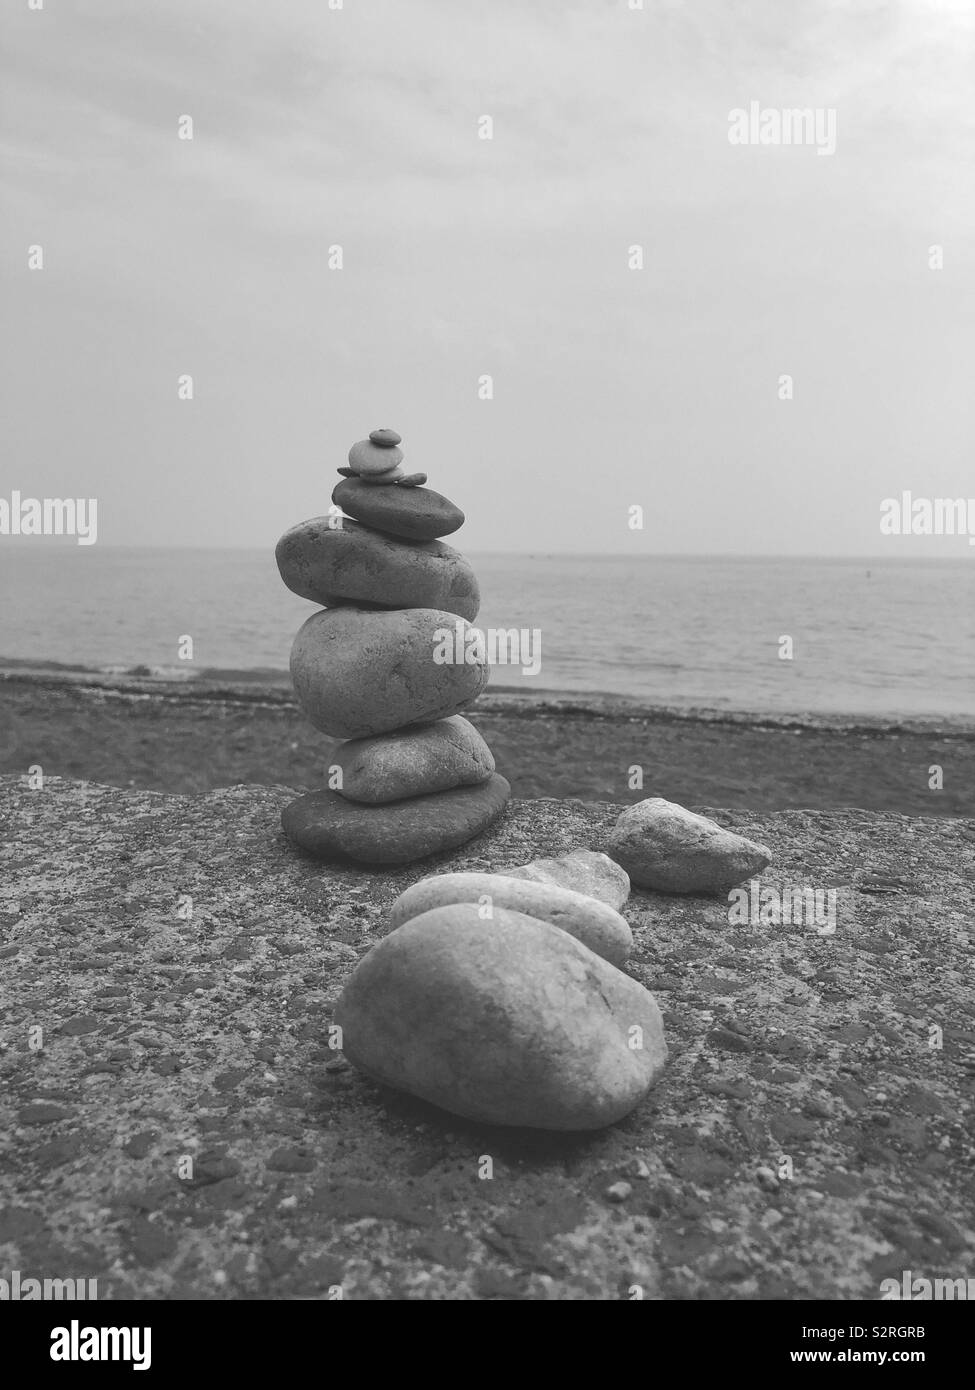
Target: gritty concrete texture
[(167, 1034)]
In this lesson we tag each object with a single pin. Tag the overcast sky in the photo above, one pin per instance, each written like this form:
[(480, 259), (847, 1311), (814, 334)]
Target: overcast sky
[(462, 256)]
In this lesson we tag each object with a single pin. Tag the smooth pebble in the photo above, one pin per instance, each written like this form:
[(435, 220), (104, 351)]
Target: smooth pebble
[(329, 827), (333, 564), (509, 1021), (664, 846), (413, 762), (584, 871), (593, 923), (358, 672), (366, 457)]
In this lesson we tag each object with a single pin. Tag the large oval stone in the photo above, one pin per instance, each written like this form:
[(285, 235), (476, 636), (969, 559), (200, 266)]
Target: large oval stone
[(414, 762), (417, 513), (593, 923), (358, 672), (328, 826), (664, 846), (509, 1021), (333, 561)]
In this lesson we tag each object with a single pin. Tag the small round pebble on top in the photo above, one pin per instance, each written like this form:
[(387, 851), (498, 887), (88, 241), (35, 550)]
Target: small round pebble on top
[(366, 457), (386, 439)]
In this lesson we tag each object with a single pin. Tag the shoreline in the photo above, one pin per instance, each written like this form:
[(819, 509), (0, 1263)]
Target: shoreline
[(218, 730), (270, 687)]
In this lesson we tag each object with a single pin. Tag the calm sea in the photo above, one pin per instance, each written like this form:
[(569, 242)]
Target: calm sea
[(873, 637)]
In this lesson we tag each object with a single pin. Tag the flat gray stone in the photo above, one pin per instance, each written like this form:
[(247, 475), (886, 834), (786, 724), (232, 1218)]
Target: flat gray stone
[(416, 513), (413, 762), (332, 560), (329, 827)]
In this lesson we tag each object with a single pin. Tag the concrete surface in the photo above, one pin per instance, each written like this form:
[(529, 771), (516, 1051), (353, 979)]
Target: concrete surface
[(175, 1029)]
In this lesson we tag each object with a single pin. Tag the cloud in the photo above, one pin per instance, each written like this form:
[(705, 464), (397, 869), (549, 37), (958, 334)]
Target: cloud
[(359, 127)]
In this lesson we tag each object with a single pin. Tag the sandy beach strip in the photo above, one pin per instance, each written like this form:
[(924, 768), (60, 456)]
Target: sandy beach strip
[(220, 728)]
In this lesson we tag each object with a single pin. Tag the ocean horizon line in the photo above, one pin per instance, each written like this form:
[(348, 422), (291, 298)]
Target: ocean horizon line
[(68, 543)]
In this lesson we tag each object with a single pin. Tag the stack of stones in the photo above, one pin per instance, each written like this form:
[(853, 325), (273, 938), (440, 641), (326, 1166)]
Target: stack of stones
[(414, 776)]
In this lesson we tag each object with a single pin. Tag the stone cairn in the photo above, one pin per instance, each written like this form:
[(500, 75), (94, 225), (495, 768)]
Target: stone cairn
[(501, 997), (387, 664)]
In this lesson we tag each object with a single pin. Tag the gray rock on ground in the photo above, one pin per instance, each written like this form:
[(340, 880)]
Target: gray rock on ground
[(584, 871), (590, 921), (509, 1021), (663, 846)]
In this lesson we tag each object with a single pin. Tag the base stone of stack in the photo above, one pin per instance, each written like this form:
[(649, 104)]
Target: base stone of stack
[(329, 827)]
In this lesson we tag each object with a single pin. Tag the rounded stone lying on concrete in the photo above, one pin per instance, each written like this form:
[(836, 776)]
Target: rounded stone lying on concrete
[(509, 1021), (593, 923), (584, 871), (328, 826), (664, 846)]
